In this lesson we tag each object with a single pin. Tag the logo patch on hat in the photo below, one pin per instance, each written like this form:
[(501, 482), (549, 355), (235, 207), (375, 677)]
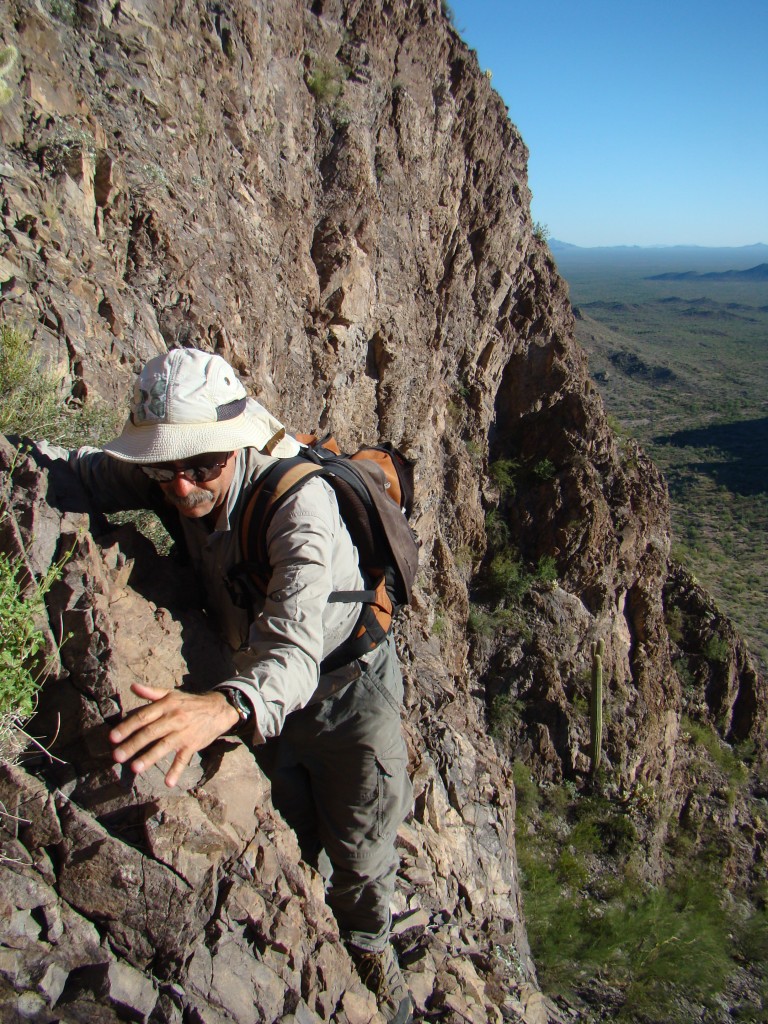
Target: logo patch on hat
[(150, 405)]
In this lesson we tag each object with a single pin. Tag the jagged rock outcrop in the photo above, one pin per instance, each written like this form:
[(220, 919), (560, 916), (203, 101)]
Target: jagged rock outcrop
[(722, 671), (332, 196)]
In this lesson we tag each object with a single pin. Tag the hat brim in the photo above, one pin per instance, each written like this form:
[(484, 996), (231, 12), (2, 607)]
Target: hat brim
[(173, 442)]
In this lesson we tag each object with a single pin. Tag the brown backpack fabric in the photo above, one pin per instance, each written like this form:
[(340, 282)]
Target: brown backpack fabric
[(374, 490)]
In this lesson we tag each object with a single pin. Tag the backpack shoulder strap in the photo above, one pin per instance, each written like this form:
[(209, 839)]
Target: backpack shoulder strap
[(269, 491)]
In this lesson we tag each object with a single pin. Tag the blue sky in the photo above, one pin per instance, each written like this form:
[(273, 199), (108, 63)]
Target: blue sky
[(647, 122)]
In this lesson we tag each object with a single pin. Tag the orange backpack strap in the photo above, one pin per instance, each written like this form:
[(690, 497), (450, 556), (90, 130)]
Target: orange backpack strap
[(280, 481), (314, 442)]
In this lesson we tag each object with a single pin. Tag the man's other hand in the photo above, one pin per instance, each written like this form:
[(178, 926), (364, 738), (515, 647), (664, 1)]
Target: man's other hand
[(173, 721)]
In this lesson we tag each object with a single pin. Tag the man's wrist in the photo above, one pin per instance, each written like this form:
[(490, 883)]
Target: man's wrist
[(239, 704)]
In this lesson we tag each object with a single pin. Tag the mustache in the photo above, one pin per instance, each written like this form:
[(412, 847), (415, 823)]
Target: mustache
[(191, 500)]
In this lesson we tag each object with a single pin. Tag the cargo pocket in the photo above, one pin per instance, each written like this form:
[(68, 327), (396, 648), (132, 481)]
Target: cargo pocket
[(394, 790)]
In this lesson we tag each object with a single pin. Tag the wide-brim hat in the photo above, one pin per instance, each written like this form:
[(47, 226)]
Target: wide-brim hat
[(186, 403)]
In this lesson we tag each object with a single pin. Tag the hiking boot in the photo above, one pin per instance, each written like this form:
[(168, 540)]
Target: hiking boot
[(380, 973)]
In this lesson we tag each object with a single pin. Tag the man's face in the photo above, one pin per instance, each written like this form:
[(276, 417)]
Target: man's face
[(197, 498)]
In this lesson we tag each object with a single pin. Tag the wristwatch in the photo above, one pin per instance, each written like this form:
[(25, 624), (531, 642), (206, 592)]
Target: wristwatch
[(237, 700)]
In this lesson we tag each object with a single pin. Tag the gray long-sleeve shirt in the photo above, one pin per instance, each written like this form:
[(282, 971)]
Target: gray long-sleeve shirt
[(278, 653)]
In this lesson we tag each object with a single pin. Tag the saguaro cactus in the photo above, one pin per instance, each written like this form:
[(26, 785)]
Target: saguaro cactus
[(596, 705)]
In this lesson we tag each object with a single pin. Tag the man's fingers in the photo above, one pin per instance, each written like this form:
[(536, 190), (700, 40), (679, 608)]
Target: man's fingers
[(144, 732), (180, 762), (136, 720), (157, 753), (164, 746), (149, 692)]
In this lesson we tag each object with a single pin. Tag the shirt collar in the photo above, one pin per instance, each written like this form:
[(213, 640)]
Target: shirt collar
[(249, 464)]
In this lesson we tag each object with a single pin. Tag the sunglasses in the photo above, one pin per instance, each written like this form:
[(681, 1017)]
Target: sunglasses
[(197, 471)]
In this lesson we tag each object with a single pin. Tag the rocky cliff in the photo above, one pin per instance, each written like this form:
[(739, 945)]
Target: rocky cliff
[(333, 197)]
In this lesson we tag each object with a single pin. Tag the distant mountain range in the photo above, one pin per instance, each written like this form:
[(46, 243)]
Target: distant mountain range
[(741, 265), (758, 273), (556, 246)]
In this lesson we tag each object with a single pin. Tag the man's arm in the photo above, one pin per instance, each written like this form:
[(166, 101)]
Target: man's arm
[(311, 555), (280, 668), (111, 484), (278, 673)]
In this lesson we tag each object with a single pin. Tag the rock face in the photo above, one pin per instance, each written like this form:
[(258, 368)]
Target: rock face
[(332, 196)]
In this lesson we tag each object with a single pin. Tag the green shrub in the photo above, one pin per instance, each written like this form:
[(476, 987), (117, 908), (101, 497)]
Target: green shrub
[(678, 941), (746, 751), (504, 472), (439, 626), (504, 717), (717, 650), (546, 570), (686, 675), (588, 914), (752, 934), (8, 56), (326, 79), (64, 11), (544, 469), (509, 580), (32, 401), (21, 639), (726, 759), (618, 835), (463, 389), (507, 577), (497, 531), (482, 622), (571, 869), (22, 644), (526, 791)]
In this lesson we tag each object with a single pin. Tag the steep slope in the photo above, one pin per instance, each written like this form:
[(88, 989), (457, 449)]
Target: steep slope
[(333, 197)]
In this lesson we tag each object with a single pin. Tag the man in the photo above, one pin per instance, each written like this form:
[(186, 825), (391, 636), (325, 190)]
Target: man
[(337, 763)]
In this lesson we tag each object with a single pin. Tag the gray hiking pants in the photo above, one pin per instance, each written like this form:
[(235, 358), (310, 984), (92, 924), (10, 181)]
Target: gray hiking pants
[(339, 778)]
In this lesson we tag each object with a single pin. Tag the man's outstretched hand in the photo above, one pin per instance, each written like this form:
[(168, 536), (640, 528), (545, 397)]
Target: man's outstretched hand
[(172, 721)]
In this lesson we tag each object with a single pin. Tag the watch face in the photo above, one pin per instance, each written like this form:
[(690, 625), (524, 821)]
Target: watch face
[(240, 704)]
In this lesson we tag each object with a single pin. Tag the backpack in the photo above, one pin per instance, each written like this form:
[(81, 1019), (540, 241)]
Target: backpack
[(374, 490)]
